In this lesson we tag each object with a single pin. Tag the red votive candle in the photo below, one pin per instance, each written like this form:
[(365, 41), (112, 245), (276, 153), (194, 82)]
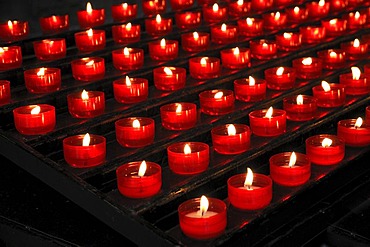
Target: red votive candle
[(50, 49), (10, 57), (354, 132), (88, 69), (130, 90), (4, 92), (261, 5), (139, 179), (153, 7), (329, 95), (90, 40), (263, 49), (214, 13), (332, 58), (181, 4), (356, 20), (54, 23), (280, 78), (268, 122), (239, 8), (334, 27), (308, 67), (188, 158), (195, 42), (250, 27), (274, 21), (204, 67), (325, 149), (318, 9), (158, 26), (179, 116), (296, 15), (42, 80), (231, 138), (83, 151), (355, 83), (290, 168), (34, 119), (135, 132), (355, 50), (288, 41), (217, 102), (250, 90), (224, 34), (169, 78), (188, 19), (86, 104), (126, 33), (128, 58), (202, 218), (90, 17), (13, 30), (300, 108), (235, 58), (163, 50), (124, 12), (312, 35), (249, 191)]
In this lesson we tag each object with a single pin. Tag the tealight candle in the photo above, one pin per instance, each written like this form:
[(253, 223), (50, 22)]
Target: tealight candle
[(10, 57), (308, 67), (90, 40), (42, 80), (231, 138), (355, 83), (130, 90), (334, 27), (204, 67), (235, 58), (268, 122), (126, 33), (163, 50), (188, 19), (354, 132), (83, 151), (217, 102), (250, 90), (249, 191), (86, 104), (179, 116), (274, 21), (250, 27), (124, 11), (195, 42), (203, 218), (290, 168), (139, 179), (355, 50), (13, 30), (261, 5), (325, 149), (158, 26), (280, 78), (300, 108), (329, 95), (50, 49), (356, 20), (239, 8), (169, 78), (88, 69), (54, 23), (318, 9), (128, 58), (214, 13), (90, 17), (34, 119), (181, 4), (332, 58), (263, 49), (153, 7), (224, 34), (296, 15), (289, 41), (312, 35), (135, 132), (4, 92)]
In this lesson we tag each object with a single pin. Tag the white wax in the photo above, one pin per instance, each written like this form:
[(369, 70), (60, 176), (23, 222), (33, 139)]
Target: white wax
[(198, 214), (251, 187)]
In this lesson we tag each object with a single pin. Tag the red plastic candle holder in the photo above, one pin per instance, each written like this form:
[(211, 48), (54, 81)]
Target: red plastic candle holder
[(334, 96), (332, 58), (217, 102), (214, 13), (10, 57), (83, 154), (86, 104), (135, 132), (283, 174), (158, 26), (88, 69), (13, 30), (131, 185), (90, 17), (195, 42), (169, 78), (50, 49), (128, 58), (274, 21), (355, 133), (264, 124), (231, 138), (239, 8), (263, 49), (54, 23), (334, 27), (297, 14), (300, 108), (188, 19), (4, 92), (280, 78), (250, 27), (308, 67), (126, 33), (356, 20), (224, 34), (163, 50), (204, 67), (320, 152), (130, 90), (179, 116), (235, 58), (201, 226), (355, 83), (250, 90), (318, 9), (124, 12), (312, 35), (261, 5), (355, 50), (153, 7), (90, 40), (181, 4), (42, 80), (34, 119), (288, 41)]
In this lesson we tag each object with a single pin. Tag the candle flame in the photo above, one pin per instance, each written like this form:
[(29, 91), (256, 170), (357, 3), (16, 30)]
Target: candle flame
[(136, 123), (231, 130), (333, 54), (128, 26), (89, 32), (126, 51), (264, 45), (287, 35), (128, 81), (300, 99), (84, 95), (240, 2), (142, 169), (293, 159), (322, 3), (41, 72), (90, 63), (248, 179), (158, 18), (307, 61), (218, 95), (89, 8), (269, 112), (358, 122), (1, 50), (277, 15), (215, 7), (280, 71), (86, 140), (204, 204), (326, 142), (357, 15), (48, 41), (36, 110), (195, 35), (356, 43), (236, 51), (252, 81), (124, 5), (296, 10), (356, 73), (203, 61), (10, 24), (333, 21), (163, 43), (179, 108), (168, 70), (325, 86), (187, 149), (249, 21), (223, 27)]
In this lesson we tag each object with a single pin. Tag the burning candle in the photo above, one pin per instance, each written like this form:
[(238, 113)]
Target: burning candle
[(290, 168), (274, 20), (195, 42), (235, 58), (139, 179), (263, 49), (124, 12), (312, 35), (308, 67), (54, 23), (329, 95), (217, 102), (224, 34), (280, 78), (261, 5), (318, 9), (83, 151), (128, 58), (296, 15), (231, 138), (179, 116), (300, 108), (289, 41), (334, 27), (268, 122), (250, 27), (332, 58), (354, 132), (158, 26), (250, 90), (34, 119), (10, 57), (169, 78), (11, 31), (88, 69), (86, 104), (181, 4), (50, 49), (153, 7), (325, 149), (42, 80), (4, 92), (90, 17), (163, 50), (355, 83), (126, 33), (135, 132), (214, 13), (130, 90), (188, 19), (204, 67), (355, 50), (239, 8), (249, 191), (90, 40), (356, 20)]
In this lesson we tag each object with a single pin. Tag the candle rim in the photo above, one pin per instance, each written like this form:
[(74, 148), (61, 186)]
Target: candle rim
[(316, 141), (76, 140), (259, 180), (196, 148), (125, 123), (349, 123), (282, 159), (186, 106), (26, 110), (221, 130), (262, 112), (130, 170)]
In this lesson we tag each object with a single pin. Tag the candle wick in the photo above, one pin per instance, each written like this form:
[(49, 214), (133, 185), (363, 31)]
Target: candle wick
[(249, 187)]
